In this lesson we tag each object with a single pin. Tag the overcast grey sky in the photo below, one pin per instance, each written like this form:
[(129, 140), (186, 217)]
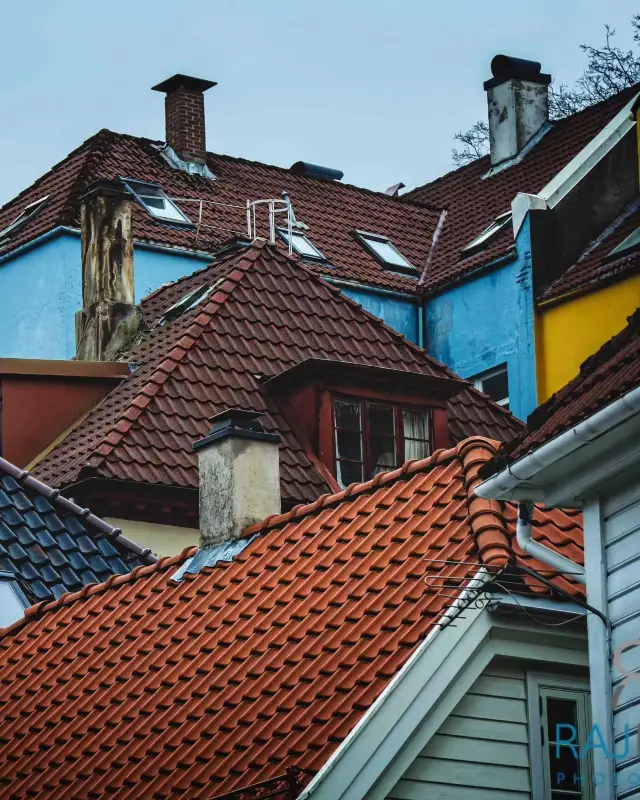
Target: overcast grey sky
[(376, 88)]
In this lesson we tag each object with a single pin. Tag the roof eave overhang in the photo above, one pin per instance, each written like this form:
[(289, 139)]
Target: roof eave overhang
[(567, 469)]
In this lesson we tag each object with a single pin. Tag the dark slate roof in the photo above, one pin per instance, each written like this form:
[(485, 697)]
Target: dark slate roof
[(52, 545), (604, 377), (268, 312)]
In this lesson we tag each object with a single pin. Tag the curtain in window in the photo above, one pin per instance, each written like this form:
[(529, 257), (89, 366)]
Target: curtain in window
[(416, 434)]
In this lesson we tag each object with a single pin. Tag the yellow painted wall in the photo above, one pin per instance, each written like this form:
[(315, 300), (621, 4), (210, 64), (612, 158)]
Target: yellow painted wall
[(568, 333), (163, 540)]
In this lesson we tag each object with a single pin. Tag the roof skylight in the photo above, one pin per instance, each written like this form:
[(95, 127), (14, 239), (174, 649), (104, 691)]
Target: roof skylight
[(156, 202), (188, 302), (27, 212), (13, 600), (385, 251), (302, 245), (632, 242), (480, 242)]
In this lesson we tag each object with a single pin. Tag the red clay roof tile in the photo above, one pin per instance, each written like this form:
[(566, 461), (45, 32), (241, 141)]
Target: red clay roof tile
[(142, 685)]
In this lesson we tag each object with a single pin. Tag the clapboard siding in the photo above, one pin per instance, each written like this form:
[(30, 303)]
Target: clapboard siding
[(621, 539), (481, 751)]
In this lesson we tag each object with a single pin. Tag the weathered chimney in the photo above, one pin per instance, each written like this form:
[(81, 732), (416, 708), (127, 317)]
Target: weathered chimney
[(184, 115), (518, 98), (239, 476), (109, 318)]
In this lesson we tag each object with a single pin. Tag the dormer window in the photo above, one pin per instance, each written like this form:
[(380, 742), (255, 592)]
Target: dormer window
[(385, 251), (155, 201), (372, 437), (27, 212), (302, 245), (488, 234)]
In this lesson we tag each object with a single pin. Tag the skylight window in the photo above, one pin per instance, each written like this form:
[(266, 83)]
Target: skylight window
[(480, 242), (188, 302), (632, 242), (27, 212), (156, 202), (385, 251), (302, 245), (13, 600)]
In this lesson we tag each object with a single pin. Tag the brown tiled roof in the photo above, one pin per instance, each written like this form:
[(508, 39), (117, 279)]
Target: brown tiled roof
[(473, 202), (331, 209), (595, 266), (604, 377), (142, 687), (268, 313)]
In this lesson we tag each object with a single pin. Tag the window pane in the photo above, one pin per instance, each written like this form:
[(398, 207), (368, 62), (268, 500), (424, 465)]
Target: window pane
[(496, 386), (415, 424), (388, 253), (154, 202), (565, 769), (561, 712), (349, 445), (349, 472), (414, 449), (347, 414), (381, 419), (382, 453)]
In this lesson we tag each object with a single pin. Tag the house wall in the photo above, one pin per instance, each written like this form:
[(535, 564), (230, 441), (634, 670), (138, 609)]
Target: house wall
[(403, 315), (486, 322), (163, 540), (41, 290), (570, 332), (481, 752)]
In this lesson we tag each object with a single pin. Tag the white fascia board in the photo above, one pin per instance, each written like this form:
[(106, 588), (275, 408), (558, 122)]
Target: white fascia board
[(582, 163), (354, 767)]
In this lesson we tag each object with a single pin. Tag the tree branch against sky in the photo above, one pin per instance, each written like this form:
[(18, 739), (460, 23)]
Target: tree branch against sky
[(609, 70)]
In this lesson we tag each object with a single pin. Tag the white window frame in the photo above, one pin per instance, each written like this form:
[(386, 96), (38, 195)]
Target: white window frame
[(478, 381), (316, 254), (402, 263), (478, 244), (539, 683), (181, 219), (27, 212), (8, 580)]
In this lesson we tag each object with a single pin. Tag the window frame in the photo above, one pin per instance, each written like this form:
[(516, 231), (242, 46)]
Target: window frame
[(483, 239), (629, 245), (284, 235), (153, 212), (478, 379), (407, 267), (27, 213), (541, 684), (365, 432)]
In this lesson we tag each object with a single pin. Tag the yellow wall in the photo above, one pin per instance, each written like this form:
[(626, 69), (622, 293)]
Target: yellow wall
[(568, 333), (163, 540)]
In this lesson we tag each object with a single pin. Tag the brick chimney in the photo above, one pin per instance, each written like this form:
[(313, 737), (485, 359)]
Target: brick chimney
[(184, 115), (239, 471), (518, 99), (109, 318)]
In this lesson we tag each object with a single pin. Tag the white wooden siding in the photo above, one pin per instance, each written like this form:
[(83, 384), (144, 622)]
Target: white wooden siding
[(481, 752), (621, 539)]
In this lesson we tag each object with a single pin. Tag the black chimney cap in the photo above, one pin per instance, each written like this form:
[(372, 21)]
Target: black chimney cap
[(316, 171), (239, 423), (503, 68), (180, 81)]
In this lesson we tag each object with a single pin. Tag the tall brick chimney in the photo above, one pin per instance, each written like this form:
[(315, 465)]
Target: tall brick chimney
[(184, 115)]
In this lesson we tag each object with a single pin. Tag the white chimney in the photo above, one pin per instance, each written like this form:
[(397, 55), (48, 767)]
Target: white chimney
[(518, 99), (239, 476)]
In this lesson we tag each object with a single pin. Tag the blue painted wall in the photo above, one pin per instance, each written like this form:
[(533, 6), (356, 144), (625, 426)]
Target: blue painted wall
[(402, 315), (486, 322), (41, 290)]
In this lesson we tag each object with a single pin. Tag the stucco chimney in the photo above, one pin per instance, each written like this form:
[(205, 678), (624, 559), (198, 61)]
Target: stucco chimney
[(109, 318), (518, 99), (184, 115), (239, 471)]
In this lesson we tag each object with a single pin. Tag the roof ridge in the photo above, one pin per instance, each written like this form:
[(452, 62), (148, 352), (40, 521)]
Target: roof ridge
[(97, 148), (187, 339)]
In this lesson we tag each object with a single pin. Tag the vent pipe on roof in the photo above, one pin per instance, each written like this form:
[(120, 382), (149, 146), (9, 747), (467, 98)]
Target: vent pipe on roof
[(184, 116), (518, 99), (109, 318), (307, 170), (239, 471)]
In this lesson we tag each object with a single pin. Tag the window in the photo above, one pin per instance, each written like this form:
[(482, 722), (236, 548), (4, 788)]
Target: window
[(188, 302), (386, 252), (13, 600), (373, 437), (559, 726), (495, 383), (27, 212), (301, 245), (632, 242), (480, 242), (156, 202)]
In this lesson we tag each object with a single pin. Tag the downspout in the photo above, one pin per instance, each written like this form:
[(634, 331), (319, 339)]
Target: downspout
[(422, 308), (548, 556)]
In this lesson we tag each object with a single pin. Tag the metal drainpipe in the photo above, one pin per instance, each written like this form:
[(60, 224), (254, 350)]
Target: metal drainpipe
[(539, 551)]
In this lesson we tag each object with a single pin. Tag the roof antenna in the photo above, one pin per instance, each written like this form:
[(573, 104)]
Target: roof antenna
[(434, 244), (294, 222)]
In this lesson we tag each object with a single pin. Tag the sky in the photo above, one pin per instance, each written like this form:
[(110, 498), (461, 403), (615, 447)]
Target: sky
[(376, 88)]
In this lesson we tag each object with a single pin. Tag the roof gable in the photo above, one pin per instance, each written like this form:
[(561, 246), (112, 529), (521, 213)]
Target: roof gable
[(258, 664), (266, 313)]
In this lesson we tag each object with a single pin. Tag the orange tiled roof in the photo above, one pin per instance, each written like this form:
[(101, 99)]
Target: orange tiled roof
[(141, 687)]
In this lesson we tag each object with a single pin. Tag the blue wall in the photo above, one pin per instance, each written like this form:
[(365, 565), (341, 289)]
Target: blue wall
[(402, 315), (41, 290), (488, 321)]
